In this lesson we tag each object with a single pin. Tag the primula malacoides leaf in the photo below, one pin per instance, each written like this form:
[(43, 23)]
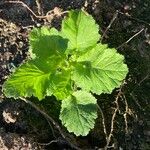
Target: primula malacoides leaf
[(100, 70), (60, 84), (38, 78), (45, 42), (29, 79), (81, 31), (78, 113)]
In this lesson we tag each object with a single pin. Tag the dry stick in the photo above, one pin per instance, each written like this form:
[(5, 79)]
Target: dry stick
[(46, 144), (135, 100), (137, 85), (125, 113), (127, 15), (130, 38), (103, 121), (53, 141), (44, 114), (31, 11), (110, 24), (26, 6), (112, 120), (136, 19), (52, 120), (145, 78), (53, 133), (40, 10)]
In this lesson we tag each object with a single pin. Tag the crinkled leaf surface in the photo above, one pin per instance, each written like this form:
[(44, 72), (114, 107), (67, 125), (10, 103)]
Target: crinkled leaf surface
[(78, 113), (45, 42), (100, 70), (81, 30), (29, 79), (38, 78), (60, 84)]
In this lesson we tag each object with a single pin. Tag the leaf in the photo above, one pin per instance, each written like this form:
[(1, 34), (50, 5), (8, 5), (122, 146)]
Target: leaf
[(78, 113), (45, 42), (81, 31), (100, 70), (39, 78), (60, 84), (29, 79)]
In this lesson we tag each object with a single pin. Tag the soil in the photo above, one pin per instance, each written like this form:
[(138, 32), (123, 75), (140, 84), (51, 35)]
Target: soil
[(23, 127)]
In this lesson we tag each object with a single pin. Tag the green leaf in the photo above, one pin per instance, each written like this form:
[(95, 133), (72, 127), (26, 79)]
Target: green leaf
[(60, 84), (81, 31), (100, 70), (39, 78), (45, 42), (29, 79), (78, 113)]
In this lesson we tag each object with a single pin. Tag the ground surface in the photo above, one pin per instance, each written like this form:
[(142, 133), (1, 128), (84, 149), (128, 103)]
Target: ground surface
[(23, 127)]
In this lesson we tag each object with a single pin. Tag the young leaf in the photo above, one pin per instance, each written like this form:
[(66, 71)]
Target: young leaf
[(45, 42), (29, 79), (60, 84), (100, 70), (81, 30), (39, 77), (78, 113)]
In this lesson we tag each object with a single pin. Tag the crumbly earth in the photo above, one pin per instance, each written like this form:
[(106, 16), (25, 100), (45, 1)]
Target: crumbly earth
[(12, 141), (22, 127)]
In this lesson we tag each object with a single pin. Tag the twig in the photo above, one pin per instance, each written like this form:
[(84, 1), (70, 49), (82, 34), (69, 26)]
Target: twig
[(53, 133), (125, 113), (31, 11), (27, 7), (52, 120), (136, 19), (44, 114), (130, 38), (113, 119), (135, 100), (46, 144), (145, 78), (40, 10), (140, 82), (103, 121), (135, 87), (110, 24)]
